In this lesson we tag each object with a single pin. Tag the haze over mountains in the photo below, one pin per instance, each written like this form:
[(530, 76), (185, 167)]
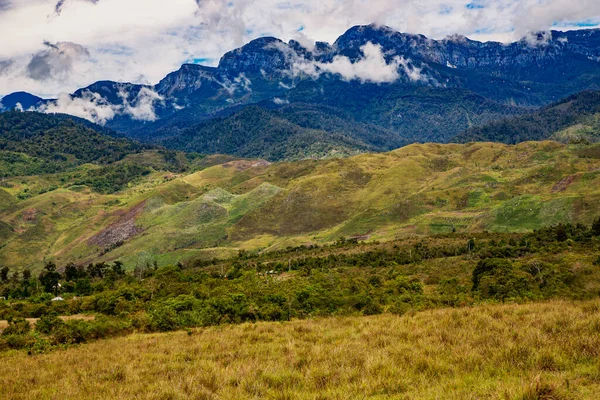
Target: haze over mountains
[(374, 89)]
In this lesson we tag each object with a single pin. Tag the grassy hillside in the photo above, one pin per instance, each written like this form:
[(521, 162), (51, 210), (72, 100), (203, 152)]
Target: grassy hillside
[(230, 204), (534, 351), (574, 119)]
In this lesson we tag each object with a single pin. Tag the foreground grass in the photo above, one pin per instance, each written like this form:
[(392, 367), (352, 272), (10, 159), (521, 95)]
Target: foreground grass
[(532, 351)]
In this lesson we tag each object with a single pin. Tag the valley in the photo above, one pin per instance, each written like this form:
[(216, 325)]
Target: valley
[(386, 215)]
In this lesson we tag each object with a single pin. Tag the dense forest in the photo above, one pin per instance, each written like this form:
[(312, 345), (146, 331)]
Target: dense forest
[(582, 108), (258, 132), (350, 118), (33, 143), (344, 278)]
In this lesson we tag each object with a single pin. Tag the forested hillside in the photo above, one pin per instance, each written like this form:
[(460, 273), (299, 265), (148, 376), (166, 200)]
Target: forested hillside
[(34, 143), (574, 119)]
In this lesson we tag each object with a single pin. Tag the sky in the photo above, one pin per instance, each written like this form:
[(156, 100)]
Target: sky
[(49, 47)]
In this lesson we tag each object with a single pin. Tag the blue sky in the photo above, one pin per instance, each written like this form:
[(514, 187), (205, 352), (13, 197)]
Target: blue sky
[(48, 47)]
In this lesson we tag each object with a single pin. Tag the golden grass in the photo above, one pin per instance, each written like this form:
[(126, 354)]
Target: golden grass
[(533, 351)]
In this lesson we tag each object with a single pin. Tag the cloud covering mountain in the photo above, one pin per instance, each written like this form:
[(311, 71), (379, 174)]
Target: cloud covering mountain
[(48, 47)]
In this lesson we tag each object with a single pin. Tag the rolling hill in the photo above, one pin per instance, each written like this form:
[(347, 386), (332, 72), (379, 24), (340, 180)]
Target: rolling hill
[(224, 204)]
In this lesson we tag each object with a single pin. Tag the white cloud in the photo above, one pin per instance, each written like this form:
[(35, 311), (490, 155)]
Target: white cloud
[(90, 106), (142, 108), (280, 102), (95, 108), (143, 40), (240, 83), (371, 67)]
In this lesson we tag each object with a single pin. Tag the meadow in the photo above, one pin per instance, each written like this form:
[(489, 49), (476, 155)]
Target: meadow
[(547, 350)]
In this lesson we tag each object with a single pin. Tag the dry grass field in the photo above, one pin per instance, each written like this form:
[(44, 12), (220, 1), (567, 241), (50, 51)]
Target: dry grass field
[(533, 351)]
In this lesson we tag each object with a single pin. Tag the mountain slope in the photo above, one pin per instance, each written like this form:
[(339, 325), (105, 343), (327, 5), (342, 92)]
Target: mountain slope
[(257, 132), (287, 132), (575, 118)]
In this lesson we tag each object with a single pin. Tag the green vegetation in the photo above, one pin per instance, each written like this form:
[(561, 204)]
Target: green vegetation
[(573, 120), (170, 207), (33, 143), (413, 318), (261, 133), (345, 278), (373, 118), (435, 235)]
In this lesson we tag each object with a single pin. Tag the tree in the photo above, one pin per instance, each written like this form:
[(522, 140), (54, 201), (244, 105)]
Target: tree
[(50, 277), (596, 227), (26, 274), (71, 272), (486, 266), (96, 270), (118, 269), (4, 274), (499, 279), (561, 233)]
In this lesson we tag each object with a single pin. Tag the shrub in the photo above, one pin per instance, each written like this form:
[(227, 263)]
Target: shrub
[(499, 279), (71, 332), (17, 326), (49, 323), (163, 319), (486, 266)]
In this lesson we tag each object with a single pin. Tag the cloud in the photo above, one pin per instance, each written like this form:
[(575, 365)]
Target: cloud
[(280, 102), (143, 40), (90, 106), (535, 15), (95, 108), (56, 61), (142, 108), (4, 66), (538, 38), (241, 83), (60, 4), (372, 67)]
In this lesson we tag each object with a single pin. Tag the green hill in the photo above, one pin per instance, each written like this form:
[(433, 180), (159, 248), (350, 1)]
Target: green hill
[(231, 204), (574, 119), (33, 143)]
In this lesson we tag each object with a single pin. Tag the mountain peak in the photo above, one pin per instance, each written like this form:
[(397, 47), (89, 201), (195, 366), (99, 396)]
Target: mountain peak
[(24, 99)]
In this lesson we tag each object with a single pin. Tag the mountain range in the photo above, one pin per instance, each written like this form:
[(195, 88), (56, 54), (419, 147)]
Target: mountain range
[(373, 89)]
